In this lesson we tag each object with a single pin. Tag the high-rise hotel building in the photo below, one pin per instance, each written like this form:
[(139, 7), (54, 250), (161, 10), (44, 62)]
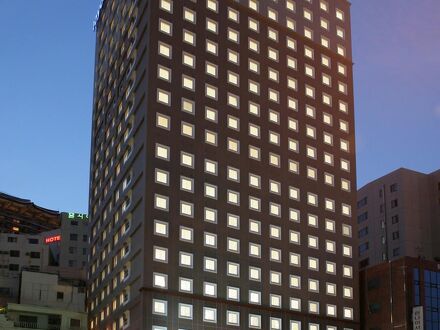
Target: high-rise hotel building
[(223, 166)]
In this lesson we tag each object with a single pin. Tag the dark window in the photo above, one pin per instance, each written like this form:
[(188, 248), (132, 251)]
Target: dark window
[(363, 232), (35, 255), (75, 323), (362, 202), (363, 248), (33, 240), (394, 219), (394, 203), (84, 251), (374, 308), (85, 238), (374, 283), (34, 268), (12, 239), (393, 187), (72, 249), (13, 267), (396, 252), (74, 223), (381, 208), (54, 320), (380, 193), (416, 276), (364, 263), (362, 217), (14, 253), (28, 319), (73, 237), (72, 263), (5, 292), (60, 295), (396, 235)]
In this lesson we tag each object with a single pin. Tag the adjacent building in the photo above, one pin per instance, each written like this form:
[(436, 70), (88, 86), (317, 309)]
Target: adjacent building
[(223, 173), (46, 302), (74, 246), (399, 215), (18, 253), (43, 257), (21, 216), (403, 293)]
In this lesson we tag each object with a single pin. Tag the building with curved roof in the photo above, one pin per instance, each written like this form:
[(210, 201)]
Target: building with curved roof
[(22, 216)]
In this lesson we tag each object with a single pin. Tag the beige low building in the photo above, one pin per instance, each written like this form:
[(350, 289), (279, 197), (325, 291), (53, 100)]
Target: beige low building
[(46, 302), (399, 215)]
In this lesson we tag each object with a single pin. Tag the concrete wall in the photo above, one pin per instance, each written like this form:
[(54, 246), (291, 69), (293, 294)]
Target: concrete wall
[(16, 254), (403, 203), (74, 248), (43, 289), (40, 318)]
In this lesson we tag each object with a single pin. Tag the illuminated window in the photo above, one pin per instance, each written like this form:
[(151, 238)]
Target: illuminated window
[(166, 5)]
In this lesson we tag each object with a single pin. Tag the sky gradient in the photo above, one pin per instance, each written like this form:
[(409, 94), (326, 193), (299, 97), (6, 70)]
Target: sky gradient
[(46, 89)]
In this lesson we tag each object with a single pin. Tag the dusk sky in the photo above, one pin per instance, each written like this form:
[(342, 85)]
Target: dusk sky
[(46, 85)]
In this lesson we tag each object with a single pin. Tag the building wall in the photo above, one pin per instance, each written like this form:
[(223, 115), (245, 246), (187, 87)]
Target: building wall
[(17, 253), (36, 317), (402, 209), (47, 290), (21, 252), (74, 247), (124, 145), (434, 179), (389, 291)]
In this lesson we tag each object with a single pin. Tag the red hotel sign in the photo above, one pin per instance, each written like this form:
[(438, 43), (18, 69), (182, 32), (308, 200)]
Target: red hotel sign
[(52, 239)]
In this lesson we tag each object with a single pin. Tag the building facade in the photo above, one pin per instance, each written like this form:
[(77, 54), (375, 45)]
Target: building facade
[(18, 253), (223, 166), (74, 245), (22, 216), (399, 215), (401, 293), (63, 251), (43, 257), (46, 302)]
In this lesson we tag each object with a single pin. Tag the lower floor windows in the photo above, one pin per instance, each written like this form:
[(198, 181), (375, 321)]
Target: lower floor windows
[(234, 318)]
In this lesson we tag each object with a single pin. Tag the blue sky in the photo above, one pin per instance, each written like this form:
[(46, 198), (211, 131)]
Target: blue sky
[(46, 83)]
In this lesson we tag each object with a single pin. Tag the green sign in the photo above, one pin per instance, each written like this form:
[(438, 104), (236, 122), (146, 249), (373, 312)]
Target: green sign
[(77, 216)]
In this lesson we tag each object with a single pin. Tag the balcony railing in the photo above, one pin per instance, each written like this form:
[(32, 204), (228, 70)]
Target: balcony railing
[(33, 325)]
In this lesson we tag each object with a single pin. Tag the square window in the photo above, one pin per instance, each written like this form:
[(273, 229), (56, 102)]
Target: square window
[(163, 121), (209, 315), (233, 293), (210, 215), (166, 5), (186, 234), (160, 307), (211, 114), (160, 280), (185, 285), (189, 15), (254, 320), (233, 318), (185, 311), (209, 289)]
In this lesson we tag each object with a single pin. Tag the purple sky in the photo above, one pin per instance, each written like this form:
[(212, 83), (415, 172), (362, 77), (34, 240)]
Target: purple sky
[(46, 70), (397, 85)]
